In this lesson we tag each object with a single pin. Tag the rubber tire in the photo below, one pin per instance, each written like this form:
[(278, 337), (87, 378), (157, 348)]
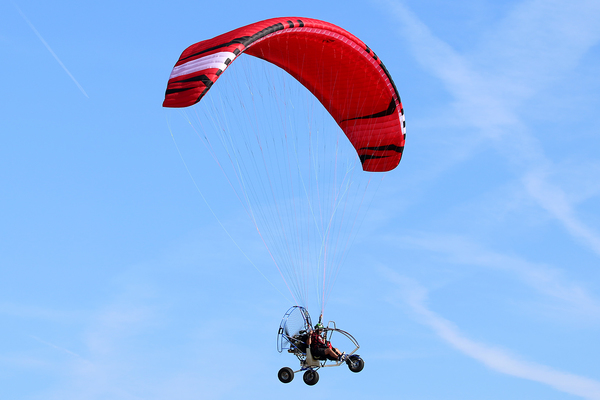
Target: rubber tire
[(311, 377), (286, 375), (356, 364)]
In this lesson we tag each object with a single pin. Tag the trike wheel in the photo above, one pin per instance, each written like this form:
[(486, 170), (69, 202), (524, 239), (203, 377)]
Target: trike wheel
[(311, 377), (285, 375), (355, 363)]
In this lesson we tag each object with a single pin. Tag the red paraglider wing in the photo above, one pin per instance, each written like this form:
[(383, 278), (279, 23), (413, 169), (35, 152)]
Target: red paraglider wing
[(341, 71)]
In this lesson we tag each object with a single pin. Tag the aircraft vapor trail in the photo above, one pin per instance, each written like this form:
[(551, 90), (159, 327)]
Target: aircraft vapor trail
[(55, 346), (50, 50)]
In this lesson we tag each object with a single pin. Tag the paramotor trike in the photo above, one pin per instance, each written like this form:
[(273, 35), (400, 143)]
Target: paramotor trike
[(293, 335)]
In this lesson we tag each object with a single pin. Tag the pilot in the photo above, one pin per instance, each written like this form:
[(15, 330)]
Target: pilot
[(320, 347)]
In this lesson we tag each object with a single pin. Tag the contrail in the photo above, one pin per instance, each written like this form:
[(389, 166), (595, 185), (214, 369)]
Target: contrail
[(56, 347), (50, 50)]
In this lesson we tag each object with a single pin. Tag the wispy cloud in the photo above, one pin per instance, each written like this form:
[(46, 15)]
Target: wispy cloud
[(495, 358), (133, 352), (543, 278), (39, 313), (537, 43), (50, 50), (556, 202)]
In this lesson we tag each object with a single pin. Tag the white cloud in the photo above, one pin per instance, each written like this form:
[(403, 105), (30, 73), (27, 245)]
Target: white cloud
[(546, 280), (497, 359), (537, 43), (556, 202)]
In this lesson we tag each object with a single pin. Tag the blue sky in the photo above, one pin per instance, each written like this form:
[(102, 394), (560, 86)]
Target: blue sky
[(479, 276)]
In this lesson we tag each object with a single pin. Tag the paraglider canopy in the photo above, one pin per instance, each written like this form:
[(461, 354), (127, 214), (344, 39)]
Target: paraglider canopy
[(343, 73), (279, 136)]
